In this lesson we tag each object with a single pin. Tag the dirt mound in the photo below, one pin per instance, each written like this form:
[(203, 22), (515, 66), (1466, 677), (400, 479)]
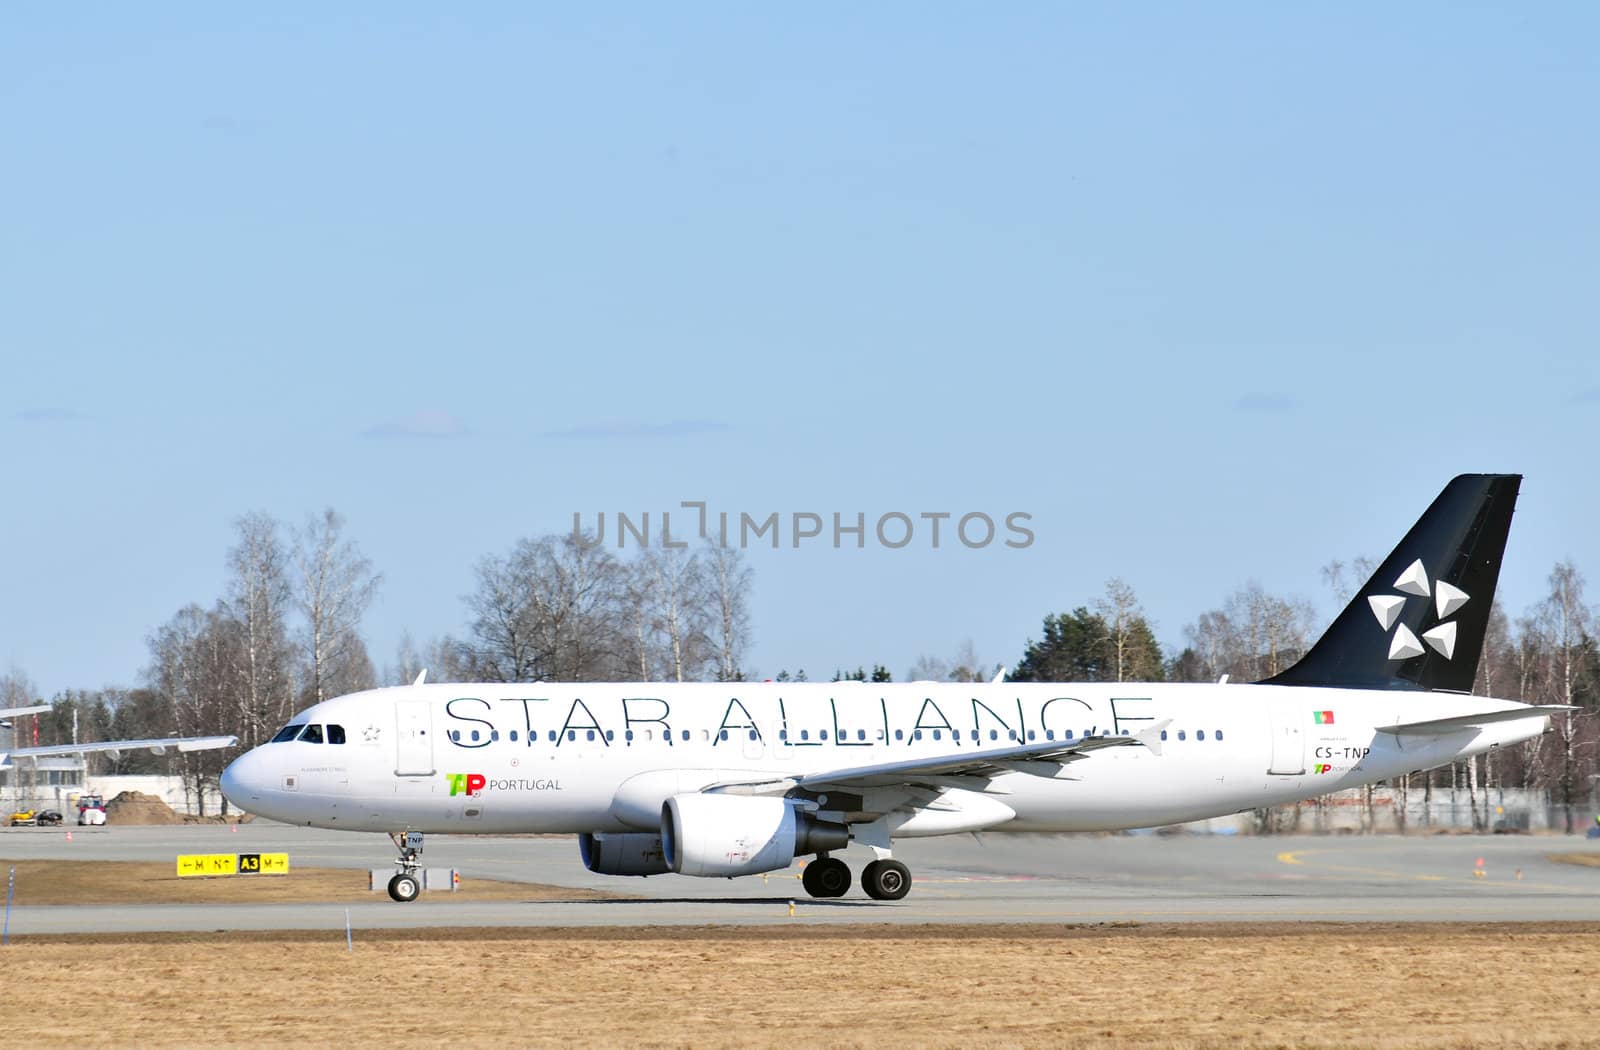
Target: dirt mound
[(136, 807)]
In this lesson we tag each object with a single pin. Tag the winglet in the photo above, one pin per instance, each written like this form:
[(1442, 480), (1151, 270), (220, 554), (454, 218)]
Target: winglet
[(1151, 737), (421, 677)]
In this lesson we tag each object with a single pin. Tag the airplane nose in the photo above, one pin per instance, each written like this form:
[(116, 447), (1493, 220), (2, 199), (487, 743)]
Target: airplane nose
[(236, 781)]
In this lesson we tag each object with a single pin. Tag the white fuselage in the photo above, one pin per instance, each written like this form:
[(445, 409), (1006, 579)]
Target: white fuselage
[(604, 757)]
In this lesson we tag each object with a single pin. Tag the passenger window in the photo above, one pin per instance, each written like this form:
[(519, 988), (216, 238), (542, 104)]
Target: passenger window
[(899, 734), (805, 734), (591, 735), (312, 735), (723, 735), (1219, 734), (754, 735), (1182, 735), (994, 734), (1200, 734), (336, 734), (1068, 735), (1030, 734), (917, 734), (474, 736), (686, 736), (552, 736), (861, 734), (288, 732), (611, 734), (1163, 734), (513, 736), (936, 734), (783, 734), (628, 736), (572, 735), (1049, 734)]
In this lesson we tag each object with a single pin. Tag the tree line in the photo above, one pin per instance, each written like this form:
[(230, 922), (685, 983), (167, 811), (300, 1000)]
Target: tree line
[(286, 633)]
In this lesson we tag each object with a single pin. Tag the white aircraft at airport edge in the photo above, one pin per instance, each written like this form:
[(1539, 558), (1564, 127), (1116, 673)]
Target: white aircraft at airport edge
[(720, 780), (155, 745)]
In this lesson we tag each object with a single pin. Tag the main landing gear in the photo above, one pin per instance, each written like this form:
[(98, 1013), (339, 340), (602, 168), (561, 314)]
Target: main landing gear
[(884, 880), (407, 883)]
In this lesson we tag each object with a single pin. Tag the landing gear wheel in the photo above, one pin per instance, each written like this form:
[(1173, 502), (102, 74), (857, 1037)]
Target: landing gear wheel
[(886, 880), (826, 877), (404, 887)]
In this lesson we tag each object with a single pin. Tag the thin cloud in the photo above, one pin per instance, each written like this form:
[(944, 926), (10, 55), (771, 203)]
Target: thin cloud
[(1264, 401), (633, 429), (1588, 396), (425, 424)]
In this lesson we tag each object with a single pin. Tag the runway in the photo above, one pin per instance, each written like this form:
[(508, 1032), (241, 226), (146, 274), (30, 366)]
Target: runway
[(957, 880)]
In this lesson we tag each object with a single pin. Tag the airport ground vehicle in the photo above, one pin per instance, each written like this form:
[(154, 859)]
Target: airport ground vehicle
[(91, 810), (27, 818)]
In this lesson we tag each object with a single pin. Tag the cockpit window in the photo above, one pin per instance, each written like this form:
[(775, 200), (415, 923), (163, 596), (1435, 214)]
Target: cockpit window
[(288, 732), (335, 734), (312, 735)]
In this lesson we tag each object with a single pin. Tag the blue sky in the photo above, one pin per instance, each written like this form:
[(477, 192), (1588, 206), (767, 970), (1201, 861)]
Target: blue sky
[(1213, 292)]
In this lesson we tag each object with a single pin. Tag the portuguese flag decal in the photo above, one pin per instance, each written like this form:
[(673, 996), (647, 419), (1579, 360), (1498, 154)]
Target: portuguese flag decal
[(1323, 718)]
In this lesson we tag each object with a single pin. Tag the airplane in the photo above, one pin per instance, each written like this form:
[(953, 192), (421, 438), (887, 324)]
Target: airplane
[(732, 779)]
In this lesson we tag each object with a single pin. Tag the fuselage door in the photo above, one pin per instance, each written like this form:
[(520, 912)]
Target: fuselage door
[(414, 722), (1288, 741)]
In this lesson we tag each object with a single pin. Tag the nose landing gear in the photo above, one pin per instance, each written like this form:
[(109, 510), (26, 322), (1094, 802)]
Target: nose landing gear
[(407, 882)]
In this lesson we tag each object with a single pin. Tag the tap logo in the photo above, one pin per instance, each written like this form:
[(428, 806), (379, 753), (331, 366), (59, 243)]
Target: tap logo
[(469, 784), (1447, 600)]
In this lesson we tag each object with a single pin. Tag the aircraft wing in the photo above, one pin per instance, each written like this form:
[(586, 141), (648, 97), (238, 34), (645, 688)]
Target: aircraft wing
[(1046, 758), (156, 745), (14, 712)]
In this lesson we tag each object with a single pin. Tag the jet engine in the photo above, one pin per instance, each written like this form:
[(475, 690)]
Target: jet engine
[(725, 835), (628, 854)]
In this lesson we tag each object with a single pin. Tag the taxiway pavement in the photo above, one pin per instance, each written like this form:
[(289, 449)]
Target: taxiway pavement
[(995, 879)]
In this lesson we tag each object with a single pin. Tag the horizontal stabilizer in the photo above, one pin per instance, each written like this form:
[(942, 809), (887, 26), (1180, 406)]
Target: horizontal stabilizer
[(1439, 726)]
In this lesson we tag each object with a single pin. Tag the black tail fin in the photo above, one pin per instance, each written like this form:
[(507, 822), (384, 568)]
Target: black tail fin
[(1419, 622)]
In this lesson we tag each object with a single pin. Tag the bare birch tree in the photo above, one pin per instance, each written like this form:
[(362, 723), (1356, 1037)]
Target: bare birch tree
[(729, 581), (549, 611), (194, 661), (1567, 627), (677, 600), (335, 584), (263, 695)]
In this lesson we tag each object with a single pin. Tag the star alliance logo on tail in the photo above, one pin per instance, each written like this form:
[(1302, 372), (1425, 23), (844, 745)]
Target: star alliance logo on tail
[(1441, 638)]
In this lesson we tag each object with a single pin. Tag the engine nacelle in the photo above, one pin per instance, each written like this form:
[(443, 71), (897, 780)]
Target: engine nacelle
[(628, 854), (721, 835)]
